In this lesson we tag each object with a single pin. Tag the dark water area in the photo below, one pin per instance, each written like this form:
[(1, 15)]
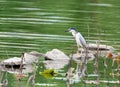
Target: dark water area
[(39, 25)]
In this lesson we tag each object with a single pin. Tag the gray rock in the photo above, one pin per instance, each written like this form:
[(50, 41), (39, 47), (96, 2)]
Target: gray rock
[(32, 57), (55, 59), (12, 65), (94, 47), (56, 54), (28, 58)]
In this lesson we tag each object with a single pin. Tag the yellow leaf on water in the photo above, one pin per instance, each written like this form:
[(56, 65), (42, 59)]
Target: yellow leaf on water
[(49, 73)]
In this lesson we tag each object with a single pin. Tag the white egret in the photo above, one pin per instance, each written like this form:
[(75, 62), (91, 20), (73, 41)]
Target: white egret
[(81, 42)]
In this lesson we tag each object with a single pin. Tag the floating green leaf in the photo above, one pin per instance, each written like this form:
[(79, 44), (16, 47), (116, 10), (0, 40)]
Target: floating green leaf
[(49, 73)]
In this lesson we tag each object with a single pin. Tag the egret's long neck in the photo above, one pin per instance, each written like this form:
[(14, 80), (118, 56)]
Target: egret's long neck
[(74, 34)]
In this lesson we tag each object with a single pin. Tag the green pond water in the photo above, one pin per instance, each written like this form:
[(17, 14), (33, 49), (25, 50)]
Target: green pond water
[(39, 25)]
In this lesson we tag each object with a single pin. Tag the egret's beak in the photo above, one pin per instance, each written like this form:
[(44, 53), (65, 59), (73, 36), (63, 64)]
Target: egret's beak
[(67, 30)]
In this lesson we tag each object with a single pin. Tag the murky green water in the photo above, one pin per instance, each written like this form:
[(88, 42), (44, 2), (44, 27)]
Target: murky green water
[(40, 24)]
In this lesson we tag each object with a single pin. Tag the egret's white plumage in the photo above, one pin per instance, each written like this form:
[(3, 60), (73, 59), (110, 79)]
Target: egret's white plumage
[(81, 42)]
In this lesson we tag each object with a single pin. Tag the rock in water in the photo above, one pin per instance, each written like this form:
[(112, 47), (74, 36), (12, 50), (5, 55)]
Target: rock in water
[(32, 57), (28, 58), (101, 47), (56, 54), (55, 59), (12, 61), (13, 64)]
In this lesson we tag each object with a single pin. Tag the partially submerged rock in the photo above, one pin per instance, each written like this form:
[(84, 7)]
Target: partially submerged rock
[(28, 58), (26, 61), (56, 54), (55, 59), (101, 50), (32, 57), (101, 47), (12, 61)]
